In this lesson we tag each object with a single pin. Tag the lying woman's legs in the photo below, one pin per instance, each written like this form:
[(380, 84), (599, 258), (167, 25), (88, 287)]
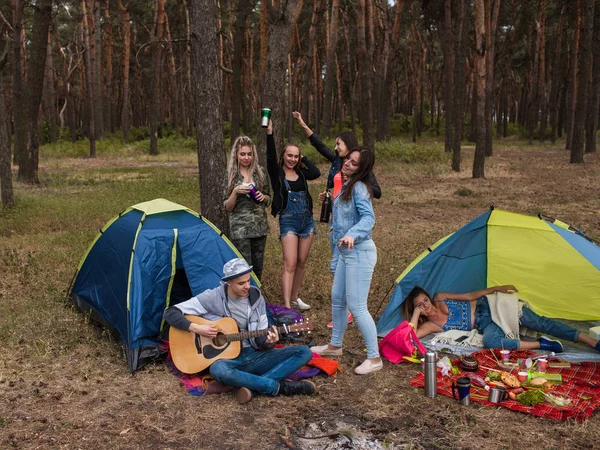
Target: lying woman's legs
[(543, 324)]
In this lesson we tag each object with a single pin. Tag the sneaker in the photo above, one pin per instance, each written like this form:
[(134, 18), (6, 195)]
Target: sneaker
[(350, 319), (299, 304), (243, 395), (551, 345), (324, 350), (302, 387), (368, 366), (597, 346)]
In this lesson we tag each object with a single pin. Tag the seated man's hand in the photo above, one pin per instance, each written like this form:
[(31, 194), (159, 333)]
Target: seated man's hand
[(209, 331), (273, 335)]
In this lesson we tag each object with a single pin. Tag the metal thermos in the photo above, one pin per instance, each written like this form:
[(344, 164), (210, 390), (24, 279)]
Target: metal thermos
[(430, 374)]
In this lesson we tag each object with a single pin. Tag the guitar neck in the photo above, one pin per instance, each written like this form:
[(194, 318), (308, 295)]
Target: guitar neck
[(253, 334)]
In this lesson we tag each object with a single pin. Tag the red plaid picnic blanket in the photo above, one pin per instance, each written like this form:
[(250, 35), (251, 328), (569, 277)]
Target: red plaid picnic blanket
[(581, 384)]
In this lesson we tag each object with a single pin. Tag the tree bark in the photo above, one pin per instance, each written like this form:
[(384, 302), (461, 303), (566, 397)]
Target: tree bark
[(591, 126), (243, 9), (364, 19), (206, 85), (573, 79), (89, 65), (556, 87), (18, 80), (126, 34), (491, 25), (330, 69), (542, 91), (156, 75), (42, 16), (96, 43), (6, 183), (109, 92), (586, 8), (281, 17), (307, 76), (449, 62), (480, 74), (49, 97)]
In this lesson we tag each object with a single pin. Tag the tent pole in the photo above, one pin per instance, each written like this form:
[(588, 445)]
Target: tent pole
[(384, 297)]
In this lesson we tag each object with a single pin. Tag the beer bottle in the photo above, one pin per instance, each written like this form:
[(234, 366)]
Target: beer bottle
[(326, 208)]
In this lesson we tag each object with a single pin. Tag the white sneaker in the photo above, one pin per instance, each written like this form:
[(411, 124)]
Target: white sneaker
[(299, 304), (368, 366), (324, 350)]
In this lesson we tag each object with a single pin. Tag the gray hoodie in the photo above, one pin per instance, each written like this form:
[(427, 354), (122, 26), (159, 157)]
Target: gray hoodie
[(212, 305)]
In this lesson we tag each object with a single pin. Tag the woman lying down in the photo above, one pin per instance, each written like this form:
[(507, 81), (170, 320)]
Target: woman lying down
[(482, 311)]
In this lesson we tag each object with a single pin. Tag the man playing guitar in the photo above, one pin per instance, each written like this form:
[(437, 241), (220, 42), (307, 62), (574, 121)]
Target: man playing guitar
[(259, 368)]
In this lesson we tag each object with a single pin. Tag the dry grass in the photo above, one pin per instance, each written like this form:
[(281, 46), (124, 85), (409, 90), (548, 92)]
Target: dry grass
[(65, 384)]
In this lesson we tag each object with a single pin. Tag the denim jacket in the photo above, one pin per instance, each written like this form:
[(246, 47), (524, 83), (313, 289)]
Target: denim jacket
[(353, 218)]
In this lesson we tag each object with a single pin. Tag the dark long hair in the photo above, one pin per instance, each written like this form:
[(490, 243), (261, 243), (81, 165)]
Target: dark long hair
[(365, 165), (349, 138), (408, 306)]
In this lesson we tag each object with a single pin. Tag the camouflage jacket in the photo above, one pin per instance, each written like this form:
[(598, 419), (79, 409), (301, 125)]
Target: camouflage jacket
[(248, 219)]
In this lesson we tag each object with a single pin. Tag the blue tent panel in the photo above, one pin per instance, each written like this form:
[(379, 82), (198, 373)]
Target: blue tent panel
[(581, 244), (443, 269)]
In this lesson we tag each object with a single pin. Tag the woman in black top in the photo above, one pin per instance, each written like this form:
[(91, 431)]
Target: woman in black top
[(293, 203)]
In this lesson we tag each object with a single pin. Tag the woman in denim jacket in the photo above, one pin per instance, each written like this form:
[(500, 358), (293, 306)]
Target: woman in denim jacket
[(351, 228)]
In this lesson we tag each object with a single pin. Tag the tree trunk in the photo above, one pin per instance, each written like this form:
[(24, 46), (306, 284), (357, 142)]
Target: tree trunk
[(349, 82), (480, 71), (491, 25), (173, 88), (109, 91), (206, 85), (331, 69), (243, 9), (364, 19), (6, 182), (586, 8), (542, 94), (591, 126), (156, 75), (88, 59), (42, 16), (573, 79), (282, 17), (18, 80), (49, 97), (385, 96), (126, 30), (557, 89), (459, 83), (308, 64), (96, 43)]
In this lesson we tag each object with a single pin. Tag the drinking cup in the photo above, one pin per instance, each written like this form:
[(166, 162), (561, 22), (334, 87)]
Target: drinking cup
[(505, 356), (542, 364), (522, 376), (497, 394), (463, 386)]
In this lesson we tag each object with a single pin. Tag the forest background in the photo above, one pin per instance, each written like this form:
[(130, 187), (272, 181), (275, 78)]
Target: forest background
[(108, 103)]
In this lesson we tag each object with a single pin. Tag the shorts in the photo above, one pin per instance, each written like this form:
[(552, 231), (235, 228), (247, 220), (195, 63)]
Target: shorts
[(299, 224)]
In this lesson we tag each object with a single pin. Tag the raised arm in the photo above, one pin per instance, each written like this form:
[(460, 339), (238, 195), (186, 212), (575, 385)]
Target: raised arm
[(305, 128), (272, 163), (470, 296)]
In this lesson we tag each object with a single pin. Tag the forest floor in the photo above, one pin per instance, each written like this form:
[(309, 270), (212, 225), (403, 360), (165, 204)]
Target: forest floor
[(65, 384)]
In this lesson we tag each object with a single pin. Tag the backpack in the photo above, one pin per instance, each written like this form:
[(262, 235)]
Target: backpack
[(399, 344)]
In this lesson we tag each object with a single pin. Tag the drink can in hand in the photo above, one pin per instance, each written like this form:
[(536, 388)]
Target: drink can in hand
[(265, 115)]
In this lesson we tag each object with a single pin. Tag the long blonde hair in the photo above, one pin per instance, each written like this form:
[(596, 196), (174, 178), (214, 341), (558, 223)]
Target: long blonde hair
[(233, 166)]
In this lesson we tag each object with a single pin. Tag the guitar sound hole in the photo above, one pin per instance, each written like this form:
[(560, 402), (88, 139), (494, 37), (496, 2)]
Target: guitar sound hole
[(220, 340)]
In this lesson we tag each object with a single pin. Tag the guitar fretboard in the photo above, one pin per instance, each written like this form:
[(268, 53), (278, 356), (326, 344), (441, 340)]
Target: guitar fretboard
[(256, 333)]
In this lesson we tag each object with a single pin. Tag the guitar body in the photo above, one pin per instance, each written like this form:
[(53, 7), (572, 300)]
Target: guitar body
[(192, 353)]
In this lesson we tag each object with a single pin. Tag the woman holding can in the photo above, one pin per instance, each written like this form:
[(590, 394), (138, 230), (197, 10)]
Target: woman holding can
[(292, 202), (351, 232), (246, 194)]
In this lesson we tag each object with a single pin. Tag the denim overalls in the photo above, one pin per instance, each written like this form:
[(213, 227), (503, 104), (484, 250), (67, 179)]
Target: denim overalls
[(296, 218)]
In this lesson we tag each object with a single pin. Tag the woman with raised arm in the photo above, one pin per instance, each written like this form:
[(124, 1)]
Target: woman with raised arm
[(292, 202), (344, 142), (446, 311), (351, 232), (246, 194)]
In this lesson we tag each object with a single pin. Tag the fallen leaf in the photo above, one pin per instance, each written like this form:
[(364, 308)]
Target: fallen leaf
[(125, 431)]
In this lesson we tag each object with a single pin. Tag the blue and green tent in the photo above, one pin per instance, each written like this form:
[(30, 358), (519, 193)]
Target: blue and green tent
[(149, 257), (555, 267)]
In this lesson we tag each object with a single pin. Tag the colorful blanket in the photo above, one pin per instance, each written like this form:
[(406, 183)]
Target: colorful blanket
[(581, 384)]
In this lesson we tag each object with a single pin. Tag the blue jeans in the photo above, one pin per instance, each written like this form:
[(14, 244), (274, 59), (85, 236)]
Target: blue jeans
[(261, 371), (350, 290), (494, 337)]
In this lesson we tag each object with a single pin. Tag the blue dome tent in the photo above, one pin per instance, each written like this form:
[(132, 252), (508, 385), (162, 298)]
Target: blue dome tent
[(151, 256)]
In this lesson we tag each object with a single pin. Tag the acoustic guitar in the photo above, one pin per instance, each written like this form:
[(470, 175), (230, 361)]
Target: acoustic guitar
[(193, 353)]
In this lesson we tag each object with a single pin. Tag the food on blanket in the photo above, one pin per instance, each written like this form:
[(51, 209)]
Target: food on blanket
[(517, 390), (556, 400), (539, 382), (512, 396), (476, 380), (492, 376), (510, 380), (469, 364), (559, 365), (531, 398), (509, 366)]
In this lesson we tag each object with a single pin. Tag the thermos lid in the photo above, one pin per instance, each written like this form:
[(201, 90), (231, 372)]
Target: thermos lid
[(430, 357)]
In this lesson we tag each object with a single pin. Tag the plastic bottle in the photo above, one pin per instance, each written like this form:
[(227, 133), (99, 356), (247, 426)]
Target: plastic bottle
[(430, 374), (326, 208)]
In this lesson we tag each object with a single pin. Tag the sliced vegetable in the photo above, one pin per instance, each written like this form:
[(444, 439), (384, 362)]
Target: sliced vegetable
[(531, 398)]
